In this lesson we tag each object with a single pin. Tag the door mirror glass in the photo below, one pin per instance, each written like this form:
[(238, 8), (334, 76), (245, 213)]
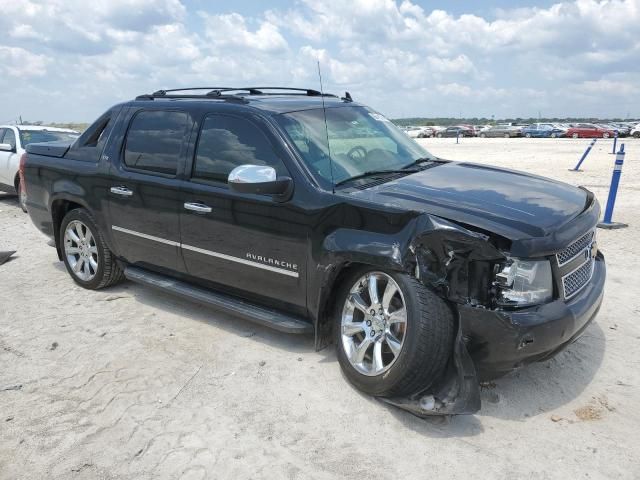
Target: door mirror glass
[(5, 147), (259, 179)]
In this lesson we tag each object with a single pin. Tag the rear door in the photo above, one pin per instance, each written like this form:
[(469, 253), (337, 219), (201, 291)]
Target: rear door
[(251, 245), (144, 192)]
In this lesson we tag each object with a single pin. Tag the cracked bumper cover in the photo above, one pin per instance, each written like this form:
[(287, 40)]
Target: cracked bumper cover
[(502, 341)]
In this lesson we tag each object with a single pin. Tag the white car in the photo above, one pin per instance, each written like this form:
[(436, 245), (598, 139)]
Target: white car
[(13, 140), (419, 132)]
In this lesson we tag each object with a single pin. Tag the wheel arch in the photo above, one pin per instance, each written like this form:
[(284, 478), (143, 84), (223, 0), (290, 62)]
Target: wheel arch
[(59, 207), (441, 255)]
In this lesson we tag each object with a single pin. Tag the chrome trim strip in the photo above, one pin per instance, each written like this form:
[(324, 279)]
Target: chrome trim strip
[(144, 235), (207, 252), (241, 260)]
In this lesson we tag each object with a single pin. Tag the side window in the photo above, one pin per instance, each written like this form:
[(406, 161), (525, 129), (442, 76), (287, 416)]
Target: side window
[(10, 137), (155, 140), (227, 142), (2, 131)]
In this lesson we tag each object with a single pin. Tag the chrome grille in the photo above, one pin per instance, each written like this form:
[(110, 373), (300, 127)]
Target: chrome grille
[(575, 281), (573, 250)]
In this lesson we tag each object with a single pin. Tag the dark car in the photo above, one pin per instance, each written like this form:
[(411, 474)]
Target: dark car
[(428, 275), (589, 130), (456, 131), (542, 130), (505, 131)]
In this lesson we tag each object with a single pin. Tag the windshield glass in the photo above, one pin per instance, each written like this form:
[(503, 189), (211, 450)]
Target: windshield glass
[(360, 141), (37, 136)]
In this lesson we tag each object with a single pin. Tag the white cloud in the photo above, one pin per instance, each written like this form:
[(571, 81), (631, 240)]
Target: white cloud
[(396, 55), (231, 30), (19, 62)]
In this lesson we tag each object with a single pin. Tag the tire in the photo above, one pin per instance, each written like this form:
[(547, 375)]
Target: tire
[(439, 135), (528, 135), (482, 135), (575, 135), (104, 271), (636, 134), (554, 135), (506, 135), (605, 135), (423, 341)]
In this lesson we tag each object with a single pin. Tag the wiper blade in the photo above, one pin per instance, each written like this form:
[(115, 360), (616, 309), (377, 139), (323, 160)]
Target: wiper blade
[(375, 172), (419, 162)]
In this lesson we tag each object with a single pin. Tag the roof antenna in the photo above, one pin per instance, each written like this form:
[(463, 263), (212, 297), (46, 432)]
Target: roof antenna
[(326, 129)]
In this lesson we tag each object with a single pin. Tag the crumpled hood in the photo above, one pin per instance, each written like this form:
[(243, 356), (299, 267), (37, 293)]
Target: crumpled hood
[(513, 204)]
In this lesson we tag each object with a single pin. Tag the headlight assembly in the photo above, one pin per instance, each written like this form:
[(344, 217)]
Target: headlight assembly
[(524, 282)]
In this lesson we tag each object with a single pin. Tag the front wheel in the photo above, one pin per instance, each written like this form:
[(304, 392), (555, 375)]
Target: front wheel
[(393, 336), (575, 135), (86, 256), (605, 135), (528, 135)]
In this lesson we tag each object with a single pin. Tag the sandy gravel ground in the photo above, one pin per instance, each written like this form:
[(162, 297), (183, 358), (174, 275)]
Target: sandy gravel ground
[(130, 383)]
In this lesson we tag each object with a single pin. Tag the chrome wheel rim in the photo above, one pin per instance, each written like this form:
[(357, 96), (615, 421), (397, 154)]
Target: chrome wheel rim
[(374, 323), (81, 250)]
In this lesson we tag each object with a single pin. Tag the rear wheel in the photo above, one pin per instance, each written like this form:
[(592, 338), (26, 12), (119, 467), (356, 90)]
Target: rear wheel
[(575, 135), (86, 256), (506, 135), (528, 135), (636, 134), (605, 135), (482, 135), (393, 335), (439, 135)]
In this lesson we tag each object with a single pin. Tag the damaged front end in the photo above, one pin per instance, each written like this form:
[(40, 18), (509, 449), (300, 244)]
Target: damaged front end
[(456, 263)]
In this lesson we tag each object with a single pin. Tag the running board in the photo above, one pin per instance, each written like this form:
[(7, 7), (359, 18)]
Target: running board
[(258, 314)]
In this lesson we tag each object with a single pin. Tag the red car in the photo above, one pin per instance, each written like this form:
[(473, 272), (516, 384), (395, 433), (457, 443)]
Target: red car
[(589, 130)]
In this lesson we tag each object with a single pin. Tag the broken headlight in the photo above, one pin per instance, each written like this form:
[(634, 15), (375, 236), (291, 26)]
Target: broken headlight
[(523, 282)]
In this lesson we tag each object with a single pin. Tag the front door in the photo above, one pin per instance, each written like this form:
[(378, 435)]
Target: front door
[(250, 244), (144, 193)]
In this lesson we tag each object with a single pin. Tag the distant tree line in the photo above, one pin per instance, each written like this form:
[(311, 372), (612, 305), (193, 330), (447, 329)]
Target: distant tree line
[(447, 121), (80, 127)]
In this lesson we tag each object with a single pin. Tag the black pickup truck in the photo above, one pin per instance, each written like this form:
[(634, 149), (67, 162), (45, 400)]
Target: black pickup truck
[(312, 213)]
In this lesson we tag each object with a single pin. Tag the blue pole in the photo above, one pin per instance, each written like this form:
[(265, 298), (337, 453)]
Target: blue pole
[(613, 191), (584, 155), (615, 141)]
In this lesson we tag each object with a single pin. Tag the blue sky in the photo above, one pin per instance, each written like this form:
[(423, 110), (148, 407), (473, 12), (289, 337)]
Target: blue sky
[(69, 60)]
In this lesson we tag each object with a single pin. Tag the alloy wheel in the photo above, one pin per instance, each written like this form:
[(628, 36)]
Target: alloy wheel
[(374, 323), (81, 250)]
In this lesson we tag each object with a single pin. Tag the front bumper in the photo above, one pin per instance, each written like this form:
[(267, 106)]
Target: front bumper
[(500, 341)]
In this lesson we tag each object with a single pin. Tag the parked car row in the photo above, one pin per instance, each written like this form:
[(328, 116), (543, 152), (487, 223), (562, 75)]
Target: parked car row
[(535, 130)]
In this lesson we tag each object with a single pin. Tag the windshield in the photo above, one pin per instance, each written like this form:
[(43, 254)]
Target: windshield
[(360, 141), (37, 136)]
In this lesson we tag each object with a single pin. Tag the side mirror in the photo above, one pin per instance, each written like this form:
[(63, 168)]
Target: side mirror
[(6, 147), (260, 180)]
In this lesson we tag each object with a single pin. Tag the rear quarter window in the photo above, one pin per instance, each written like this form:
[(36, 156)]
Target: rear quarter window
[(155, 140)]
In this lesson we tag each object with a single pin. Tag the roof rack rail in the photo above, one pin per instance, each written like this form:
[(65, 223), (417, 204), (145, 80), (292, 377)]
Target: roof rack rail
[(225, 92)]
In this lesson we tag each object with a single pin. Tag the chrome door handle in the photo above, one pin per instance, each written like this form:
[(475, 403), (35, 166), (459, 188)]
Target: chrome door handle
[(198, 207), (124, 191)]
